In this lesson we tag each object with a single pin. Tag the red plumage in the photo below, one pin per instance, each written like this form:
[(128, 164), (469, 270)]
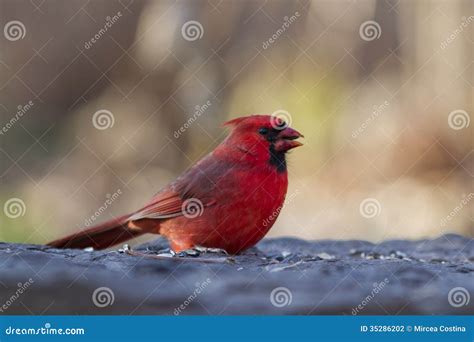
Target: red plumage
[(229, 199)]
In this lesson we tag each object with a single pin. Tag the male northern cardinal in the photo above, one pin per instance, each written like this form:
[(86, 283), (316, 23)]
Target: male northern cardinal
[(228, 200)]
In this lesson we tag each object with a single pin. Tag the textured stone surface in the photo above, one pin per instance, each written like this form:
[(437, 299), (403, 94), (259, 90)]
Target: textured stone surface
[(321, 277)]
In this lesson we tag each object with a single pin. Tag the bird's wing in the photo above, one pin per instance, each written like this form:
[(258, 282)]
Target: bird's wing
[(165, 204), (189, 194)]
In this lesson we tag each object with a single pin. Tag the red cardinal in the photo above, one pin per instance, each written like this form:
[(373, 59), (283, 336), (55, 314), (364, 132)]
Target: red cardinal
[(228, 200)]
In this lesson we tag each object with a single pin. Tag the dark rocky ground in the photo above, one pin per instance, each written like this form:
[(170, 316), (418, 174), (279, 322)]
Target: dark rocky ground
[(320, 277)]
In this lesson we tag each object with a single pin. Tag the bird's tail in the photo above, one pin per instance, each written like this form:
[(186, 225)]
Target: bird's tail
[(102, 236)]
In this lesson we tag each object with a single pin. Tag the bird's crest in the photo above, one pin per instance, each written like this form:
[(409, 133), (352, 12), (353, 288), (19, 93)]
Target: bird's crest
[(234, 122)]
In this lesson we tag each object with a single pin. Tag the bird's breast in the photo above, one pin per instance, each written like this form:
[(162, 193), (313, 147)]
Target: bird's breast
[(244, 215), (245, 206)]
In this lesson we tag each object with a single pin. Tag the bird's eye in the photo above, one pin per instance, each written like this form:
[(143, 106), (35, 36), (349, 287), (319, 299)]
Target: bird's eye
[(263, 131)]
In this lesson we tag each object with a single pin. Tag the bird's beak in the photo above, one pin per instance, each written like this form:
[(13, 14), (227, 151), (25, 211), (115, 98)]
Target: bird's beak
[(287, 139)]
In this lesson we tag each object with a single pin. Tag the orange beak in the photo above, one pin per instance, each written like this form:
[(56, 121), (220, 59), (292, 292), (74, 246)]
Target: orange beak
[(286, 139)]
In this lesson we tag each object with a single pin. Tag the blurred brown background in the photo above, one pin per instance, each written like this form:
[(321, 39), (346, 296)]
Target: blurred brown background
[(93, 95)]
